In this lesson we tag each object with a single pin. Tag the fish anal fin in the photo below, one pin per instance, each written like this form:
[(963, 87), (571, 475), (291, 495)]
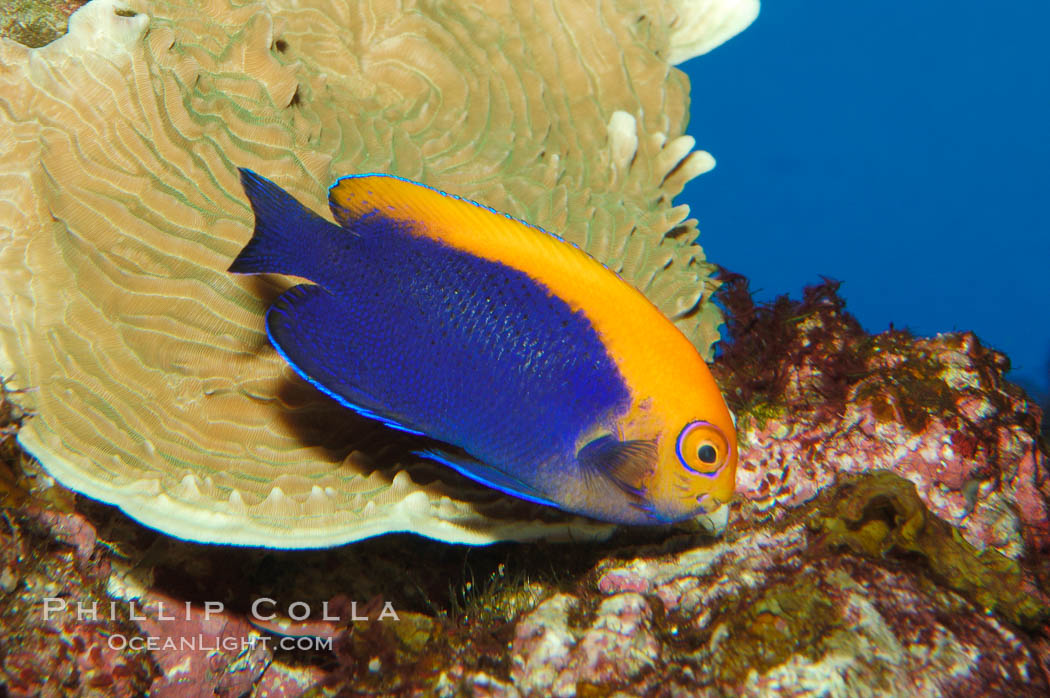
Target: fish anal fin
[(308, 328), (627, 464), (487, 475)]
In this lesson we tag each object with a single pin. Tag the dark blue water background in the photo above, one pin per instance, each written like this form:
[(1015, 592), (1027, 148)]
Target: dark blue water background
[(903, 148)]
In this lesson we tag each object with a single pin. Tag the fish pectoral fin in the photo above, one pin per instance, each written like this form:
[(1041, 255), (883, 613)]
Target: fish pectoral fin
[(487, 475), (626, 464)]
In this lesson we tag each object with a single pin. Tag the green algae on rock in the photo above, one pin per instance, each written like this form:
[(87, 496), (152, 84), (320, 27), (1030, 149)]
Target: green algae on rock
[(35, 23), (153, 385), (881, 514)]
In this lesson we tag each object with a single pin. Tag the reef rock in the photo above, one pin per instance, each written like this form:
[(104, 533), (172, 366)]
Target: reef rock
[(817, 398)]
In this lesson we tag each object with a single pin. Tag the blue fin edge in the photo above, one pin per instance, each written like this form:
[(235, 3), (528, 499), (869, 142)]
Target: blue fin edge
[(363, 411), (480, 472)]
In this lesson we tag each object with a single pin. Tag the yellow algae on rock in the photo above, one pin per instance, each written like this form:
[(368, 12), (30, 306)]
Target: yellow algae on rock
[(152, 383)]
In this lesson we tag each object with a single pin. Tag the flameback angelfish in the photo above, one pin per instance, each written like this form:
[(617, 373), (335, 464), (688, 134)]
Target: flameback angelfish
[(532, 367)]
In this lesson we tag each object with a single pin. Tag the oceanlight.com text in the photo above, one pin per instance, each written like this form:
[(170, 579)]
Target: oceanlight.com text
[(202, 643)]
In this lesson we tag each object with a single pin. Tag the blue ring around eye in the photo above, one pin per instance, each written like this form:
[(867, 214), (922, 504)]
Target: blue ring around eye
[(688, 429)]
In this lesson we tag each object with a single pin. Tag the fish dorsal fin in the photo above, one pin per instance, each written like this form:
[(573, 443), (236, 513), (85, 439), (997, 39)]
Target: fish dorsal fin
[(626, 463), (359, 201)]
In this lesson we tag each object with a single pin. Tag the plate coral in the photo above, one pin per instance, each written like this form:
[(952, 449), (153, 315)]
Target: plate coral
[(149, 377)]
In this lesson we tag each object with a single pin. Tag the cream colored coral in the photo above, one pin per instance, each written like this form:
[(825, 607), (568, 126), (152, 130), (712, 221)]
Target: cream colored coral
[(701, 25), (152, 381)]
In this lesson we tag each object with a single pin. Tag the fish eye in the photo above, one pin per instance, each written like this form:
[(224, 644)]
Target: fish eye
[(702, 448), (707, 453)]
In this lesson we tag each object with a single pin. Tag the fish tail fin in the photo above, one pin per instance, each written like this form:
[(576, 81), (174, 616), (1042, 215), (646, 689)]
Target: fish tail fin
[(288, 238)]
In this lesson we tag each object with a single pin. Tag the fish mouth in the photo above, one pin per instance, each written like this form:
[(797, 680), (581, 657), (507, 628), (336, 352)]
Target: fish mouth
[(706, 506), (714, 522), (708, 503)]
